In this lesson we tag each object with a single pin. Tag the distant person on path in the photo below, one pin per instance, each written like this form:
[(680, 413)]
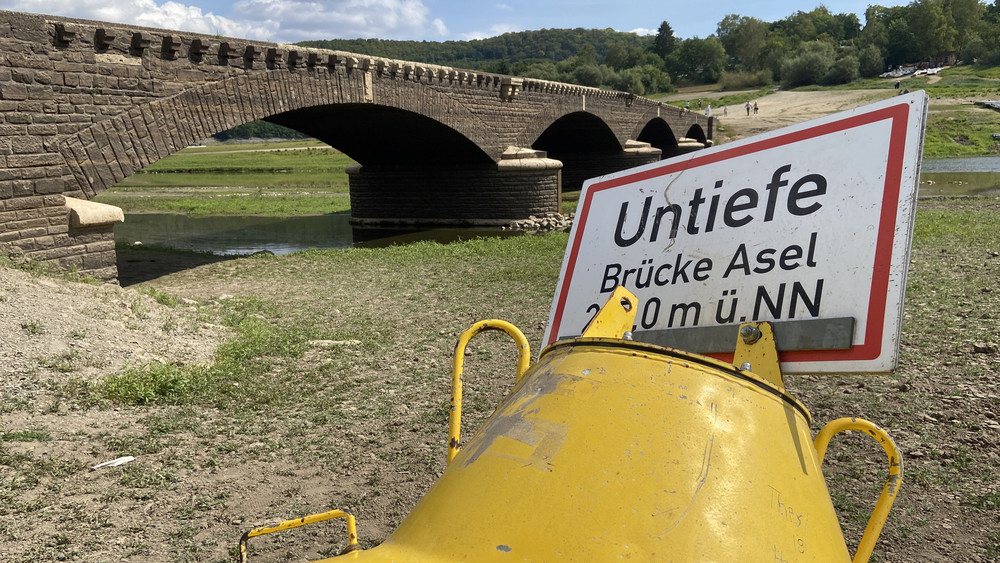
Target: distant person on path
[(687, 105), (755, 108), (708, 110), (699, 104), (897, 85), (725, 111), (748, 108)]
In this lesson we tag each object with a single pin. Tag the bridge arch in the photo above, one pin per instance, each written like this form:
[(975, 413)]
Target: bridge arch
[(112, 150)]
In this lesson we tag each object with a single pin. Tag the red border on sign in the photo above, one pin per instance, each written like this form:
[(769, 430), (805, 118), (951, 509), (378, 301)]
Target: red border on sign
[(871, 348)]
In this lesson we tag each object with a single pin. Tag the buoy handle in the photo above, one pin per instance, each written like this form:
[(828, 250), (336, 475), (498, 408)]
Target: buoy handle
[(458, 367), (892, 483)]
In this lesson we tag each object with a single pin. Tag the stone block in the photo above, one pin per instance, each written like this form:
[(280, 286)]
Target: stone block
[(19, 203), (26, 160), (92, 215), (17, 118), (11, 91), (26, 145), (35, 243), (49, 186), (43, 130), (35, 232)]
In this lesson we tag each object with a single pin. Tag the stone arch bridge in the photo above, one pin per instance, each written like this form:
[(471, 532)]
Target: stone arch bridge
[(85, 104)]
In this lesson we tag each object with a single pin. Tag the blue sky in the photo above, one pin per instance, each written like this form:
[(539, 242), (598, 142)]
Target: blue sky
[(288, 21)]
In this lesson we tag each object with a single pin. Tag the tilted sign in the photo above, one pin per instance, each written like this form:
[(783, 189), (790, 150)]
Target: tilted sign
[(808, 227)]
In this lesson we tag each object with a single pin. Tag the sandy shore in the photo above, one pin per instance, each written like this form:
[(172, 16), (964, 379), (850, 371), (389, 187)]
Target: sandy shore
[(782, 109)]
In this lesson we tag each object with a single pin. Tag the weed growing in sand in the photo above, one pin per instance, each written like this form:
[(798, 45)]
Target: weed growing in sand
[(32, 435), (38, 269), (240, 371), (161, 297), (33, 327)]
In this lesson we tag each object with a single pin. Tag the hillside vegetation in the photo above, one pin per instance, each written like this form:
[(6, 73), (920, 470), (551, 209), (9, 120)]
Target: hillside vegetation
[(806, 47)]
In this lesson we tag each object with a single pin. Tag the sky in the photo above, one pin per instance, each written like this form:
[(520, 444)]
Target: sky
[(290, 21)]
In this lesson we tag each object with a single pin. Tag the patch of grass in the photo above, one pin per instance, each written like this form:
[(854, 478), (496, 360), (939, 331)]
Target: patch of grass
[(962, 132), (252, 159), (25, 471), (968, 225), (134, 445), (67, 362), (251, 204), (161, 297), (137, 476), (240, 371), (46, 269), (239, 180), (33, 327), (983, 501), (33, 435)]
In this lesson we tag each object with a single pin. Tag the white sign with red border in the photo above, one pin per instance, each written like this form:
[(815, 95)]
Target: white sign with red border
[(809, 222)]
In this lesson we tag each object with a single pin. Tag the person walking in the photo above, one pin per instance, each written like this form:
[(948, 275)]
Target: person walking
[(748, 108)]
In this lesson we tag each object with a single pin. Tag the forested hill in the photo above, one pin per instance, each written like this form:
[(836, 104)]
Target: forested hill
[(495, 52)]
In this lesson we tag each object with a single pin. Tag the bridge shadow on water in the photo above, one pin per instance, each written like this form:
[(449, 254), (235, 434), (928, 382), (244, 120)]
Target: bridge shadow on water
[(137, 264)]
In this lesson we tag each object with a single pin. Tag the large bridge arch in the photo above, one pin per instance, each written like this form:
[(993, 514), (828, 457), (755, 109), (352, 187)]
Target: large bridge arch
[(109, 151), (85, 104)]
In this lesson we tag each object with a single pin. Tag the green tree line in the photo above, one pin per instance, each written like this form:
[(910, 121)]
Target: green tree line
[(807, 47)]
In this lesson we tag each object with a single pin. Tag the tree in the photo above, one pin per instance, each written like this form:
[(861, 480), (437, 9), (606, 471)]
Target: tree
[(665, 42), (617, 57), (810, 66), (933, 30), (966, 14), (901, 47), (698, 60), (870, 62), (843, 70), (744, 39)]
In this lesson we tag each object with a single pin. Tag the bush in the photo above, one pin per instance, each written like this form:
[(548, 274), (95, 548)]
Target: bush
[(843, 71), (809, 67), (742, 80), (870, 62)]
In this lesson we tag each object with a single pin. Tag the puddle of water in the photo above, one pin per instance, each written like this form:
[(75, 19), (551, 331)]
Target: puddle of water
[(959, 183)]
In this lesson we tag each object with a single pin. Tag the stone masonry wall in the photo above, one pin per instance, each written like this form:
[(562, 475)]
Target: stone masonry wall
[(471, 196)]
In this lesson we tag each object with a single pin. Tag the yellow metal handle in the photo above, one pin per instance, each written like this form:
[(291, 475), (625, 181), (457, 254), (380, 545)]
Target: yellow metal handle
[(458, 367), (352, 531), (892, 483)]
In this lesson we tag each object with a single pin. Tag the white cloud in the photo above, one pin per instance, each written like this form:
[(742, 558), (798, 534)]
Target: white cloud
[(327, 19), (284, 21), (494, 30), (643, 31), (168, 15)]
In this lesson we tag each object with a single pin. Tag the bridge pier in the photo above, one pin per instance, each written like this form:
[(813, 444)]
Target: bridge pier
[(522, 184), (581, 166)]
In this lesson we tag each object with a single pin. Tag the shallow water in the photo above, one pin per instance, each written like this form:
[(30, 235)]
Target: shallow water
[(236, 235), (960, 176), (233, 235)]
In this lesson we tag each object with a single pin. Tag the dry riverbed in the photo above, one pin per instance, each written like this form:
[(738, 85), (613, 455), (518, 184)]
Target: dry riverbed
[(350, 408)]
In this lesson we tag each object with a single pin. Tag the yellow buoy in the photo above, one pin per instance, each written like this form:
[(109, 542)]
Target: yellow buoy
[(609, 449)]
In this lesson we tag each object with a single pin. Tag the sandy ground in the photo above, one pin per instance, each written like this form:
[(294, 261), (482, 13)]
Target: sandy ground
[(782, 109)]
